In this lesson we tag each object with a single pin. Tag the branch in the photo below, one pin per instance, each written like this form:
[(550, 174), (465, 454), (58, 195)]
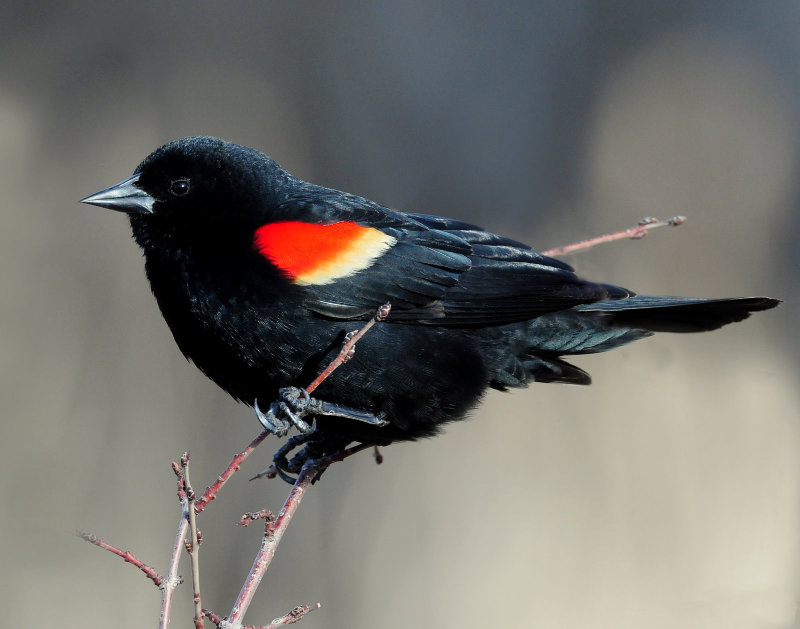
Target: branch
[(274, 531), (194, 546), (211, 491), (129, 557), (296, 615), (173, 580), (349, 347), (635, 233)]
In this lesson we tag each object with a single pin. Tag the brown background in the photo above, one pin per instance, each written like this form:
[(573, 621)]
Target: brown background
[(665, 495)]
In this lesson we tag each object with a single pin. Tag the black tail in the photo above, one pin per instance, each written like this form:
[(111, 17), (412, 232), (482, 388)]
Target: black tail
[(605, 325), (678, 314)]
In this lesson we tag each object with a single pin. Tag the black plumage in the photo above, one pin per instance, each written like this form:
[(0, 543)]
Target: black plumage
[(470, 309)]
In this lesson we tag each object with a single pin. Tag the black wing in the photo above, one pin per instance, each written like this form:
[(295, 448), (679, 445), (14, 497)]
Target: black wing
[(445, 272)]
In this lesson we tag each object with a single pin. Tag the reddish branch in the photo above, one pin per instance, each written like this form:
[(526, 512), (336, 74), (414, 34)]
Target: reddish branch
[(639, 231), (129, 557), (248, 518), (194, 546), (349, 347), (173, 580), (296, 615), (211, 491), (274, 529)]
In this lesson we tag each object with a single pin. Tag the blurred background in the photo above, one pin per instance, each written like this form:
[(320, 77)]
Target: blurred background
[(665, 495)]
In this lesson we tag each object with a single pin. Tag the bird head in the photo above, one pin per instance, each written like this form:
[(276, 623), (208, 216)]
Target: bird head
[(197, 188)]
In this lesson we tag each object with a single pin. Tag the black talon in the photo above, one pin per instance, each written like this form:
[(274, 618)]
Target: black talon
[(271, 419)]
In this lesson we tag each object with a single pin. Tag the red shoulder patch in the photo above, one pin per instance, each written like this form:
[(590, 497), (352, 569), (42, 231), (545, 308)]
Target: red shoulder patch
[(319, 254)]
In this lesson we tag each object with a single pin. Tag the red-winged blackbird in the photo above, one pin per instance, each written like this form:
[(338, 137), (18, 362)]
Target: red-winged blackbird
[(260, 275)]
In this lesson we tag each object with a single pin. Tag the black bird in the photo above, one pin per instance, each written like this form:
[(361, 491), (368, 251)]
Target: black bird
[(259, 275)]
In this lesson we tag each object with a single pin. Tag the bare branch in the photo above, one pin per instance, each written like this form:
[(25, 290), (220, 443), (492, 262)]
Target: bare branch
[(211, 491), (274, 527), (215, 618), (194, 547), (296, 615), (129, 557), (349, 347), (248, 518), (635, 233), (273, 531), (173, 580)]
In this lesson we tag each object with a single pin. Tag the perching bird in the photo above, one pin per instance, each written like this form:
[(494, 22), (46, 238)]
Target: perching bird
[(259, 275)]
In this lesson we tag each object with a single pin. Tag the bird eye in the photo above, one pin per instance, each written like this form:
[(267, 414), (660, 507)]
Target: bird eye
[(179, 187)]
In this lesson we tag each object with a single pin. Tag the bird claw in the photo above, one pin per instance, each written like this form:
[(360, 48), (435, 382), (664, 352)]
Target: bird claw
[(270, 420), (314, 446), (295, 403), (288, 411), (296, 398)]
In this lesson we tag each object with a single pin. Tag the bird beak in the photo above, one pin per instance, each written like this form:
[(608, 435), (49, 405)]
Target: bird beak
[(126, 196)]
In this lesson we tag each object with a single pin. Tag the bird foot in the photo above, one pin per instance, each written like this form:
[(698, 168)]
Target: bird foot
[(289, 410), (294, 404), (315, 446)]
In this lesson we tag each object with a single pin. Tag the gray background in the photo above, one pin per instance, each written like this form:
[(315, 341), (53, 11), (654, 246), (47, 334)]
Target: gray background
[(665, 495)]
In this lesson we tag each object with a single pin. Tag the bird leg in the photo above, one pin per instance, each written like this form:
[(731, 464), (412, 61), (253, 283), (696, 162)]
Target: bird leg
[(316, 446), (283, 466), (295, 404)]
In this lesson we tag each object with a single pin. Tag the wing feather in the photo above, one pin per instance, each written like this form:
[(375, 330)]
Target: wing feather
[(442, 271)]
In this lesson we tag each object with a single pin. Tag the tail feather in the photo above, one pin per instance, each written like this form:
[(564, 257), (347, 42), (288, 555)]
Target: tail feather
[(677, 314), (538, 344)]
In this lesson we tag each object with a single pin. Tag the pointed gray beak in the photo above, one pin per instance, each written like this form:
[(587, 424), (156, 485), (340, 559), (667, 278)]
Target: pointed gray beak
[(124, 197)]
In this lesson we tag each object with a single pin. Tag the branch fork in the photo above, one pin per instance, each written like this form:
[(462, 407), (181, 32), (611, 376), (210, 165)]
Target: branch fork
[(274, 527)]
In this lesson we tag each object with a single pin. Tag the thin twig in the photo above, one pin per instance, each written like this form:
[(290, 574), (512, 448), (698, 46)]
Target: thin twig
[(215, 618), (173, 580), (194, 547), (637, 232), (211, 491), (273, 533), (296, 615), (129, 557), (346, 353), (167, 584), (274, 530), (248, 518)]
